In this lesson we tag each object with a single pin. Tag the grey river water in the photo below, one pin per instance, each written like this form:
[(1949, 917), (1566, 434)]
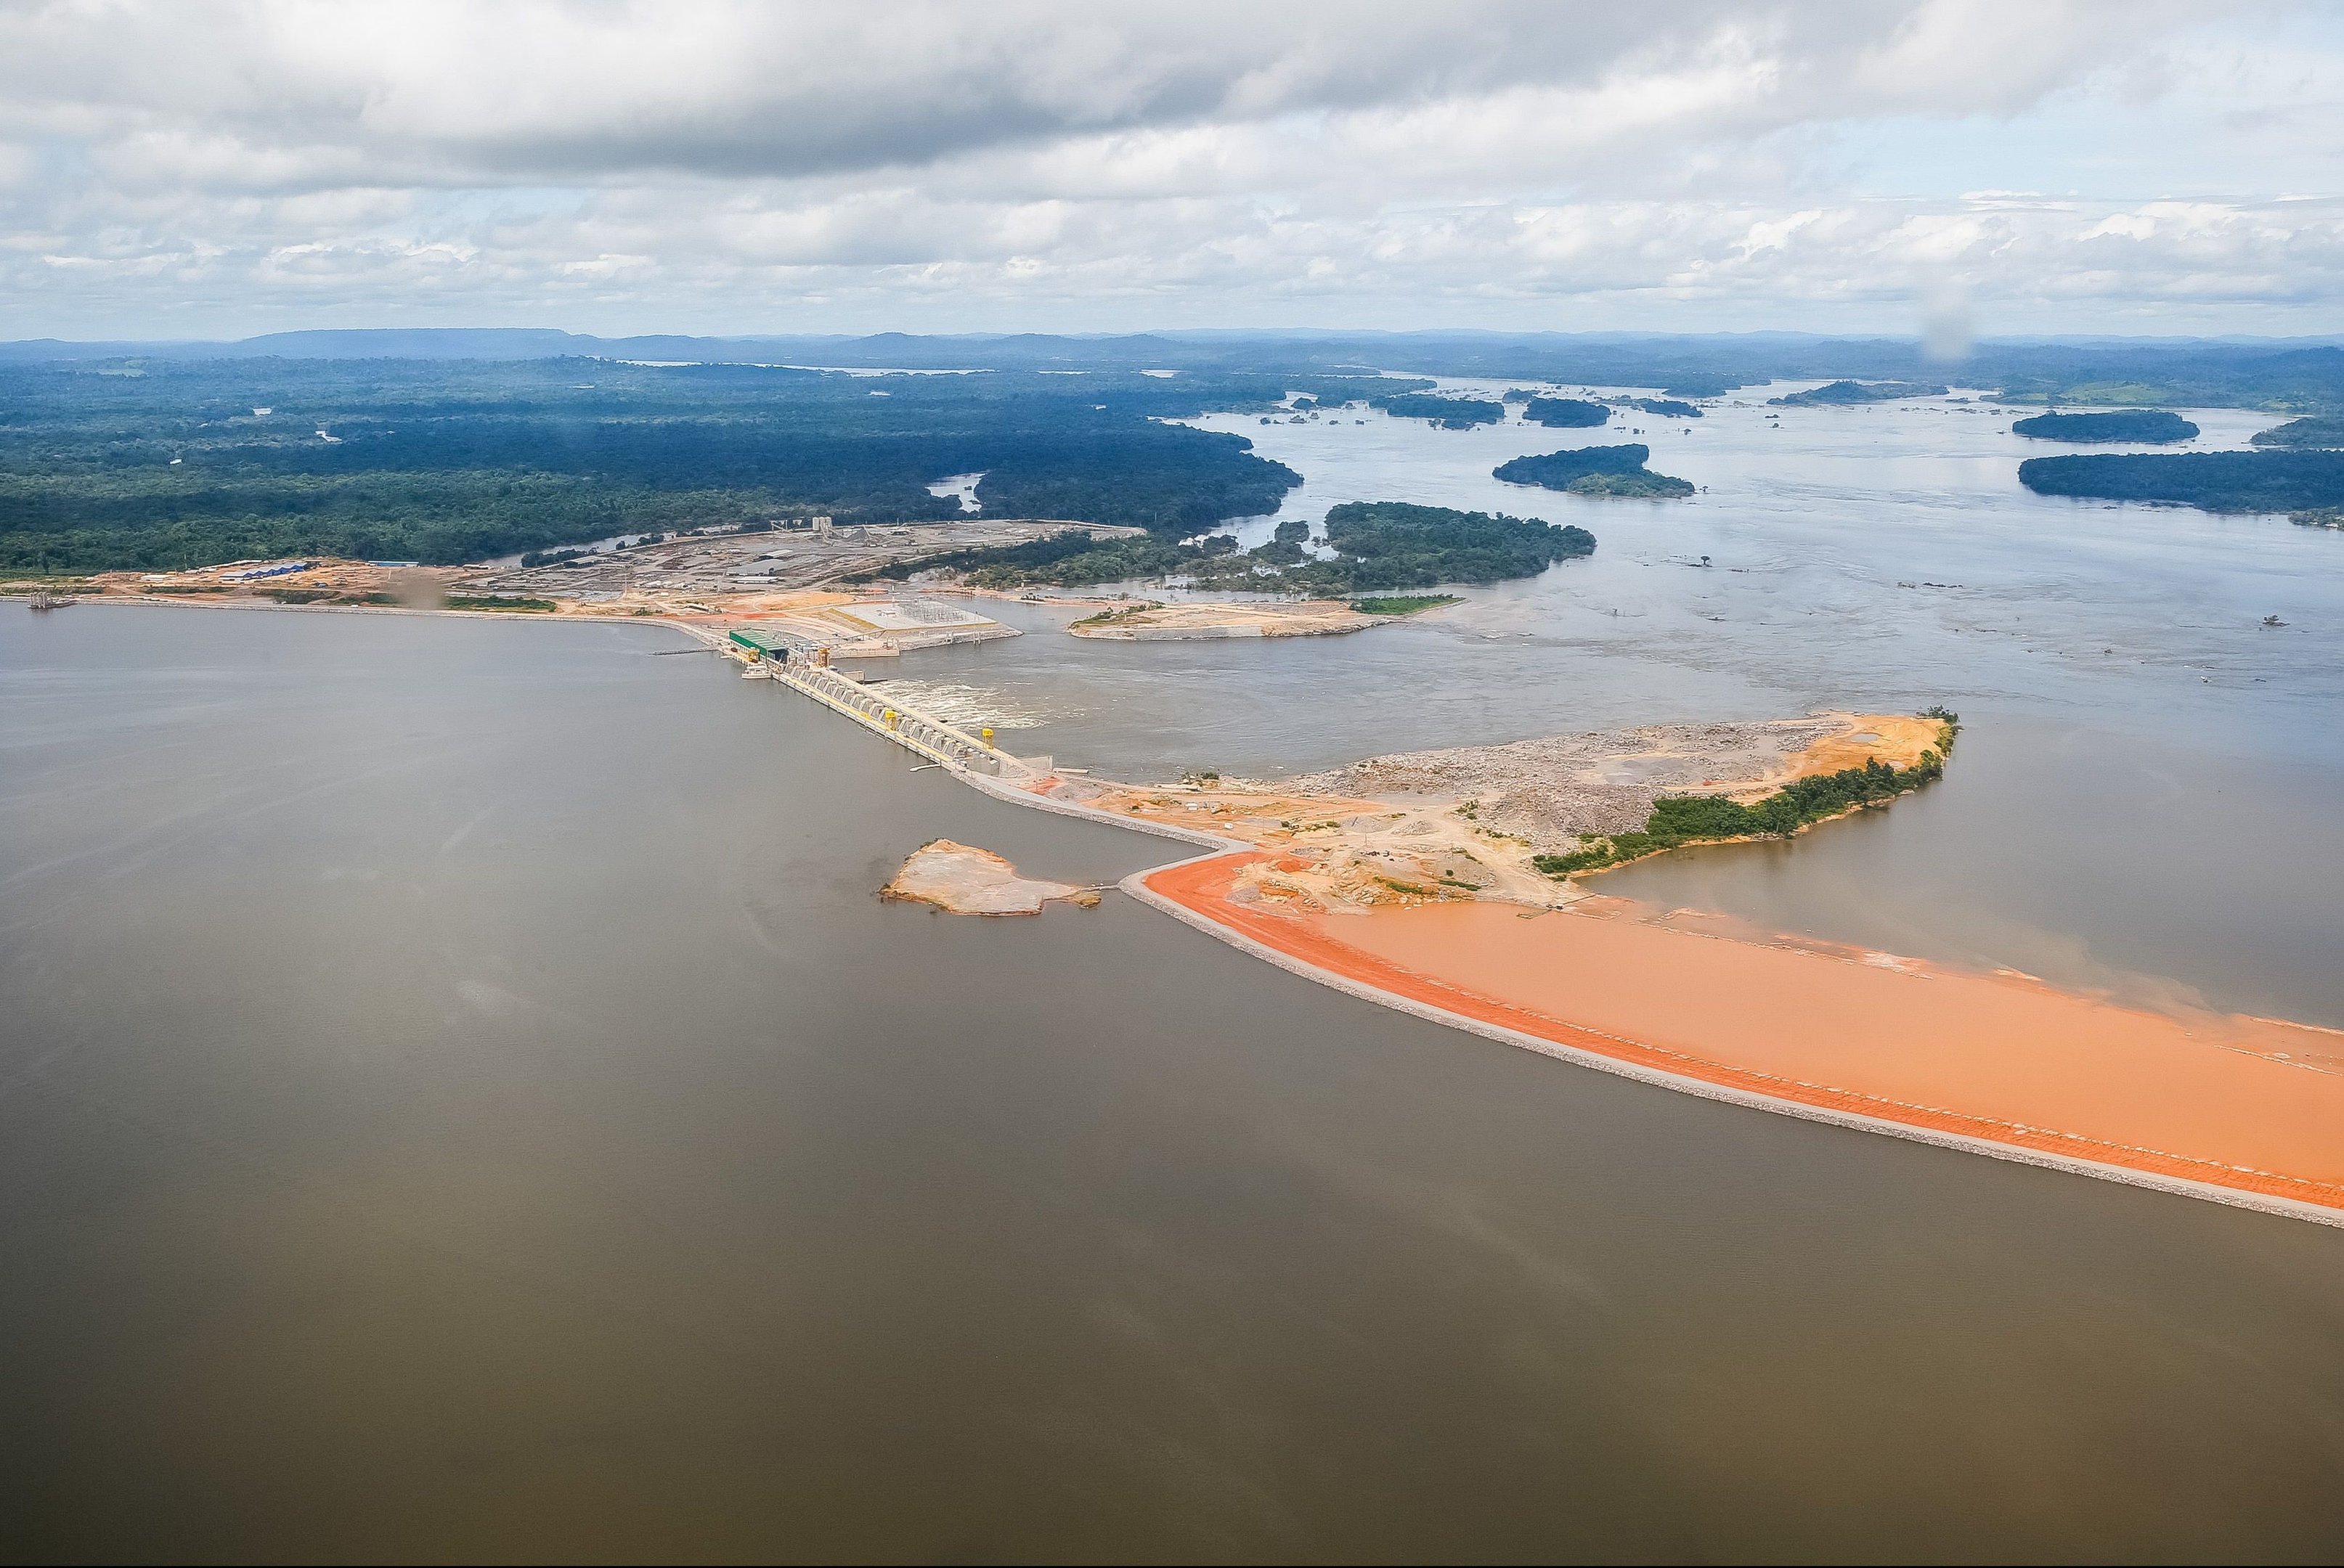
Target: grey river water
[(462, 1099), (2144, 797)]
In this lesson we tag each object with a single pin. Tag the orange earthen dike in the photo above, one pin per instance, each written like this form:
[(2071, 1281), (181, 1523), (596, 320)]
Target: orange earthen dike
[(2245, 1111)]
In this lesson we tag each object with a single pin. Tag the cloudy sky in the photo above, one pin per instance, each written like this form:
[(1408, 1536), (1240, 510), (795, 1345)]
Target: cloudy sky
[(176, 170)]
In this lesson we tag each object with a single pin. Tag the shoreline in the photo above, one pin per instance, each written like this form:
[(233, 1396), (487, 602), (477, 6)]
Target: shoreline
[(1189, 890)]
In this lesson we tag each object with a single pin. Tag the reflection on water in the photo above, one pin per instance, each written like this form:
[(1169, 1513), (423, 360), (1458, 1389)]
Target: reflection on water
[(2143, 785)]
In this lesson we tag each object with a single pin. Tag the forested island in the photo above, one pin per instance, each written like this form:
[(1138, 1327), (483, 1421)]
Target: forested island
[(1566, 413), (1596, 471), (2144, 425), (1668, 407), (1378, 546), (2318, 431), (1447, 413), (2264, 481), (1843, 393), (174, 463)]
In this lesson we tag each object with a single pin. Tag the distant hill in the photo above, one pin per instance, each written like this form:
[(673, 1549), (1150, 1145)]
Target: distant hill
[(2130, 424), (1843, 394), (2297, 376)]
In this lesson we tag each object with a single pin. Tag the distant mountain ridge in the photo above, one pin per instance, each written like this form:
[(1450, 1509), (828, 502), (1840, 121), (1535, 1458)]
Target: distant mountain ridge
[(2299, 375)]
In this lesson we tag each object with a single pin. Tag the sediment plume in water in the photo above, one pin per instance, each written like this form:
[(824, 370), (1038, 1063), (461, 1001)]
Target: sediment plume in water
[(2246, 1106)]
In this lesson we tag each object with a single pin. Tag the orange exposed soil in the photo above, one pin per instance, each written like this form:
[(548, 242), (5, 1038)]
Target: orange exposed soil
[(2254, 1105), (1894, 738)]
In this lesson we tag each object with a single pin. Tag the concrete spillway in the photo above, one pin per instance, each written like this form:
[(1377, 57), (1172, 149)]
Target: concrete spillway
[(929, 736)]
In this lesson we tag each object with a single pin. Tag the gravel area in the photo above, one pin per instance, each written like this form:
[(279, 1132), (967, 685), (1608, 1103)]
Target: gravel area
[(1558, 788)]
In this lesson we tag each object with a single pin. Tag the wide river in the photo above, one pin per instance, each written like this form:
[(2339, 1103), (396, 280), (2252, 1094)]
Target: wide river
[(460, 1096)]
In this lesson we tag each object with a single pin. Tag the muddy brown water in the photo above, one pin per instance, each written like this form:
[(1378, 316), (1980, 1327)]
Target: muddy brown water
[(461, 1097)]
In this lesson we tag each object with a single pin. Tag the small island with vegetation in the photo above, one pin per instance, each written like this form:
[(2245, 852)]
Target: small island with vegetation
[(1847, 394), (1617, 471), (2295, 482), (1397, 604), (2148, 427), (1375, 545), (1566, 413), (2314, 432), (1667, 408), (1446, 413)]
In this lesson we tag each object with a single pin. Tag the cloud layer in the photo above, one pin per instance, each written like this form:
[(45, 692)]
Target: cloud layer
[(174, 170)]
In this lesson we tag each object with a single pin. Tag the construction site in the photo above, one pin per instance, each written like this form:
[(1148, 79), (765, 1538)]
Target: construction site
[(699, 567), (808, 586)]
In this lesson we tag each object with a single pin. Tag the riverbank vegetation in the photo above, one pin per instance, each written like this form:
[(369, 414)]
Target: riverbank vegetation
[(1375, 545), (2326, 431), (192, 463), (1403, 603), (500, 601), (1678, 821), (2145, 426), (1596, 471), (2260, 481)]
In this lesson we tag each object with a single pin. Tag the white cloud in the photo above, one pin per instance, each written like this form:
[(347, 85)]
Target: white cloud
[(167, 169)]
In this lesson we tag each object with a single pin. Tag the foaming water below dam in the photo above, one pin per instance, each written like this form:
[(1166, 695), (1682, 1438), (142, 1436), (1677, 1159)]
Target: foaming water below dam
[(463, 1095)]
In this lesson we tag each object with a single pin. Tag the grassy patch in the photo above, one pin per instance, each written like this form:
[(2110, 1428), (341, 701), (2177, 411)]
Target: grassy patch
[(1403, 603), (1120, 613), (479, 601)]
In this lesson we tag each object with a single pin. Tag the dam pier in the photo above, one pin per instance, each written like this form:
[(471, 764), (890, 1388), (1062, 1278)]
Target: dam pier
[(804, 666)]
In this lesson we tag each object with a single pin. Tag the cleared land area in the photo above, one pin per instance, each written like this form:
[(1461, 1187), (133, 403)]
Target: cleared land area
[(1469, 822), (1187, 621), (779, 561)]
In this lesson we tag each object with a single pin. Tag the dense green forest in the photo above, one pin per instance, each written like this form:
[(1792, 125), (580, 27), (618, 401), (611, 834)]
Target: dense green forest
[(1842, 394), (1566, 413), (1448, 413), (1596, 471), (170, 464), (2265, 481), (2131, 424), (1376, 545), (1670, 407), (1677, 821), (2312, 432), (1397, 544)]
